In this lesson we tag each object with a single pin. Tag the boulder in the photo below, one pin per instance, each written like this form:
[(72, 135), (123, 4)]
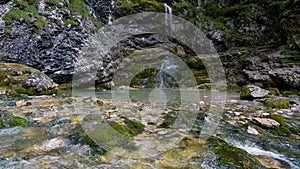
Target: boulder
[(25, 80), (277, 102), (266, 122), (251, 92), (268, 162)]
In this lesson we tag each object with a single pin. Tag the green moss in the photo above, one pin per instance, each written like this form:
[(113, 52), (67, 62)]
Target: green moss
[(78, 6), (290, 52), (130, 129), (274, 91), (281, 103), (231, 157), (15, 14), (134, 127), (78, 136), (122, 129), (100, 102), (69, 22), (17, 121), (169, 119), (25, 8), (283, 129), (135, 6), (287, 92), (40, 23), (1, 124), (7, 31), (245, 94), (51, 2)]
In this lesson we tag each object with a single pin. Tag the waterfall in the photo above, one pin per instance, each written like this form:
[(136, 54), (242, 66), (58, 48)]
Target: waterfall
[(168, 9), (110, 18), (160, 77), (199, 3), (163, 77), (168, 17)]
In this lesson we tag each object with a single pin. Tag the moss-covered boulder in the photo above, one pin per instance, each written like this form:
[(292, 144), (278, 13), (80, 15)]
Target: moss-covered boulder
[(25, 80), (251, 92), (277, 102)]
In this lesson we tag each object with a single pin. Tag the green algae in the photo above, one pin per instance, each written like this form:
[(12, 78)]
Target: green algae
[(280, 103), (17, 121)]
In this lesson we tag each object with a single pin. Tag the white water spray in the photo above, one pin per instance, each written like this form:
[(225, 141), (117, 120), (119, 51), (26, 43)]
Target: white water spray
[(168, 17), (110, 18)]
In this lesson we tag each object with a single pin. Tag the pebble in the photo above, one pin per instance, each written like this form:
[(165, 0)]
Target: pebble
[(237, 113), (252, 130)]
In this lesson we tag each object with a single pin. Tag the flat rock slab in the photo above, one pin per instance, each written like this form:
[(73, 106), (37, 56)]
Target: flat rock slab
[(266, 122)]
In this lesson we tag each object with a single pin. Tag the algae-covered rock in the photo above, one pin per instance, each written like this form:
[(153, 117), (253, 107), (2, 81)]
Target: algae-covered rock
[(231, 157), (279, 102), (17, 121), (274, 91), (25, 80), (251, 92), (1, 124), (283, 129)]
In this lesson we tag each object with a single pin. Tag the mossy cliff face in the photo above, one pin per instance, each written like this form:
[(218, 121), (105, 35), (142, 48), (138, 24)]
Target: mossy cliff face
[(45, 35), (21, 79)]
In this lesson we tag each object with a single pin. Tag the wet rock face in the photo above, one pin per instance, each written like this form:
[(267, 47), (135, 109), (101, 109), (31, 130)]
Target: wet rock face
[(48, 40), (264, 68), (4, 2)]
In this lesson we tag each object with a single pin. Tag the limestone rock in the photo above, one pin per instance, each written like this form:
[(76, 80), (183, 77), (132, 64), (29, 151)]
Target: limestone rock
[(268, 162), (251, 92), (25, 80), (252, 130), (266, 122)]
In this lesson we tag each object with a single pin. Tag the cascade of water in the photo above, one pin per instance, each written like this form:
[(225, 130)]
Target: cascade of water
[(162, 77), (199, 3), (110, 12), (168, 17)]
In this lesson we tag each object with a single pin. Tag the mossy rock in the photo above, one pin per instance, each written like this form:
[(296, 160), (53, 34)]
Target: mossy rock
[(130, 129), (168, 120), (17, 121), (79, 136), (135, 6), (1, 124), (134, 127), (21, 79), (283, 129), (280, 103), (231, 157), (274, 91), (100, 102), (245, 94)]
